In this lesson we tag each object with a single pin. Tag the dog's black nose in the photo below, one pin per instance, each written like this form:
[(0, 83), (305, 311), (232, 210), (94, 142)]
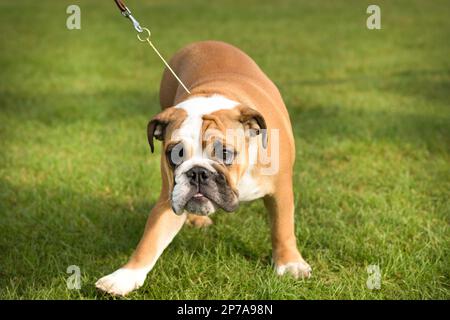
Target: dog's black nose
[(198, 175)]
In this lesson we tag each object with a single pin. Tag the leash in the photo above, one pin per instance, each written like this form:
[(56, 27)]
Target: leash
[(146, 38)]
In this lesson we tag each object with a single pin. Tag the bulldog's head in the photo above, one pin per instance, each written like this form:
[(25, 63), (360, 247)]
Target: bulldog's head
[(205, 151)]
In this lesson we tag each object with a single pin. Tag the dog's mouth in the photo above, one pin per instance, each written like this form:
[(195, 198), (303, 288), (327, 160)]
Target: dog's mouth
[(203, 197), (199, 196), (201, 202)]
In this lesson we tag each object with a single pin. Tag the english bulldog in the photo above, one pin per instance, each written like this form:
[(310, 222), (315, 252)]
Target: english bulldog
[(229, 141)]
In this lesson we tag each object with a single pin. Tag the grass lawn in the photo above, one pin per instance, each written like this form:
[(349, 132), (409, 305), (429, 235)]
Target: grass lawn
[(372, 126)]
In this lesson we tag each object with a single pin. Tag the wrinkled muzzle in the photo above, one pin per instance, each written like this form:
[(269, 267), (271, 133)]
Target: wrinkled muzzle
[(202, 191)]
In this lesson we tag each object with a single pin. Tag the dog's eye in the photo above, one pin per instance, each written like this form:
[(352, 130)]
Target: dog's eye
[(227, 156), (175, 155), (224, 155)]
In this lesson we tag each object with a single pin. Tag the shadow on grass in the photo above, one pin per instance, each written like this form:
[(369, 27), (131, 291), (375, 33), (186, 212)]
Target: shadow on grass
[(55, 109), (426, 125), (433, 85), (423, 131)]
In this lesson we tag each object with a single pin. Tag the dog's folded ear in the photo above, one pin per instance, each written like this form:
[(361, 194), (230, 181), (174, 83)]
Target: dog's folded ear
[(254, 122), (157, 125)]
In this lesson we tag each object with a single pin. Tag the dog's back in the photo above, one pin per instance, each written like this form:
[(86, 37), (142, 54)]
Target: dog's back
[(204, 62)]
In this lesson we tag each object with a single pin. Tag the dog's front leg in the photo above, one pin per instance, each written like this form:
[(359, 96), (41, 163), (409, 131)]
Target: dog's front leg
[(285, 255), (162, 226)]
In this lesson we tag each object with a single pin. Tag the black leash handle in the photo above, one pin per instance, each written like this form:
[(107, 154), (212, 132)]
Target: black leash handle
[(121, 5)]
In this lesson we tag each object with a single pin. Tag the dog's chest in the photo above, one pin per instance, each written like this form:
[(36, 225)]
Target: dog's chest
[(249, 188)]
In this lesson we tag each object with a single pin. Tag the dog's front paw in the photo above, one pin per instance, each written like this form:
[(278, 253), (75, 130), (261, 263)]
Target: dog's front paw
[(122, 281), (299, 269)]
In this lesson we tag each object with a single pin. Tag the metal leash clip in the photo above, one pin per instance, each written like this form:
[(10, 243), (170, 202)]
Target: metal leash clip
[(127, 14)]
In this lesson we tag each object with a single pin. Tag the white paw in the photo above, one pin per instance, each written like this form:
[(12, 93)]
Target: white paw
[(122, 281), (297, 269)]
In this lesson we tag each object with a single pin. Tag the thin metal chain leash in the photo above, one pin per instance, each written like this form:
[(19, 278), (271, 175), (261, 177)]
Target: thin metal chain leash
[(127, 14)]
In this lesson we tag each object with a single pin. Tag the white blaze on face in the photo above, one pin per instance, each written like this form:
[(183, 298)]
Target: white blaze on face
[(191, 129)]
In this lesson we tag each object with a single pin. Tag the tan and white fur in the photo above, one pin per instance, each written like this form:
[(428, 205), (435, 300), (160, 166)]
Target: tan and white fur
[(228, 92)]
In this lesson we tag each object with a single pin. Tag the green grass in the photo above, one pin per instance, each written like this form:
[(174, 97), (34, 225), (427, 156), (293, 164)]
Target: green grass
[(372, 126)]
